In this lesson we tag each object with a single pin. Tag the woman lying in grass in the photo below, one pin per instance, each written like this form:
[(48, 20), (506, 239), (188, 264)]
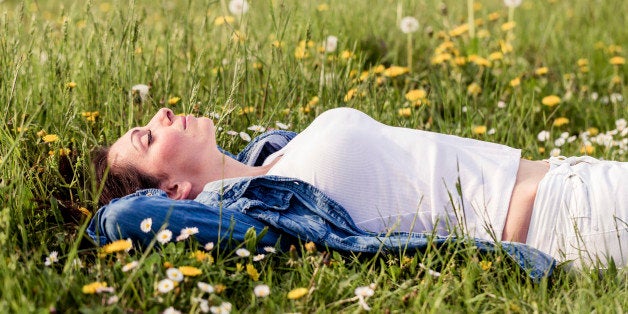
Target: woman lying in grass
[(347, 178)]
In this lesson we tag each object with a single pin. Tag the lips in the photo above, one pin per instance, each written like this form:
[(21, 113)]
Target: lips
[(185, 122)]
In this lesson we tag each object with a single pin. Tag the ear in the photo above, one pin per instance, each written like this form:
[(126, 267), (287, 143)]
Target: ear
[(178, 190)]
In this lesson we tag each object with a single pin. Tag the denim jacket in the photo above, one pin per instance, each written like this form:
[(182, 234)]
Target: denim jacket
[(288, 210)]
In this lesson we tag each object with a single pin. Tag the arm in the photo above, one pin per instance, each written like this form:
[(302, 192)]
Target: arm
[(121, 219)]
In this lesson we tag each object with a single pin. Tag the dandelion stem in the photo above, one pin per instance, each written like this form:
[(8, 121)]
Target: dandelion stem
[(471, 18), (410, 52)]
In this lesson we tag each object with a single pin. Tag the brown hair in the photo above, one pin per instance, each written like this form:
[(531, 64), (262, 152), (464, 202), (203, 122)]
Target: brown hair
[(118, 181)]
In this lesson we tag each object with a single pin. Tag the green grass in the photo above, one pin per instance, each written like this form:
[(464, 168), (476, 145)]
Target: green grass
[(175, 46)]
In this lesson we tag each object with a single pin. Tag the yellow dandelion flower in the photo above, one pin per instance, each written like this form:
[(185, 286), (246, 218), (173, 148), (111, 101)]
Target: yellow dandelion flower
[(479, 60), (584, 69), (378, 69), (277, 44), (617, 60), (227, 19), (551, 100), (297, 293), (314, 100), (51, 153), (138, 50), (474, 89), (116, 246), (246, 110), (479, 129), (219, 288), (322, 7), (353, 73), (560, 121), (238, 36), (346, 54), (505, 47), (587, 149), (173, 100), (446, 45), (300, 52), (168, 264), (404, 112), (70, 85), (486, 265), (593, 131), (460, 61), (190, 271), (459, 30), (515, 82), (252, 272), (416, 94), (41, 133), (49, 138), (310, 247), (614, 49), (496, 56), (350, 94), (94, 287), (541, 71), (84, 211), (440, 58), (258, 65), (541, 150), (494, 16), (508, 26), (483, 33), (582, 62), (616, 79), (395, 71)]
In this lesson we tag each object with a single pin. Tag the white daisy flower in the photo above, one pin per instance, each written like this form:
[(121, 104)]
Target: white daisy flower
[(232, 133), (256, 128), (214, 115), (331, 43), (501, 104), (164, 236), (146, 225), (282, 126), (430, 271), (224, 308), (258, 257), (205, 287), (261, 291), (130, 266), (209, 246), (559, 142), (171, 310), (203, 304), (364, 291), (543, 136), (112, 300), (555, 152), (165, 285), (621, 124), (238, 7), (174, 274), (269, 249), (409, 24), (245, 136), (186, 233), (52, 258), (512, 3), (491, 131), (242, 252)]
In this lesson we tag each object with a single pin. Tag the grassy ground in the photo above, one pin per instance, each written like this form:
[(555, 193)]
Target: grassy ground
[(67, 71)]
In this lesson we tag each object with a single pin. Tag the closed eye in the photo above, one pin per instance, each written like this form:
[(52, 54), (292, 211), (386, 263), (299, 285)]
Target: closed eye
[(149, 137)]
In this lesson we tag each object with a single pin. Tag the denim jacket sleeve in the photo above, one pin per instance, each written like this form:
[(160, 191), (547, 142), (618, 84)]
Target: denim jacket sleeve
[(121, 219)]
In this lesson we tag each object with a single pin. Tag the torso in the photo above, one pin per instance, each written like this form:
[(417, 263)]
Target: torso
[(401, 179), (529, 175)]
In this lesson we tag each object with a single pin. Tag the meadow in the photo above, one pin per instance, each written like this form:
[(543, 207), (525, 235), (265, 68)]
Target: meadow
[(547, 76)]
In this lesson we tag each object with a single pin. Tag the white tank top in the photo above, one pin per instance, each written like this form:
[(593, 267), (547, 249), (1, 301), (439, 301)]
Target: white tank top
[(399, 179)]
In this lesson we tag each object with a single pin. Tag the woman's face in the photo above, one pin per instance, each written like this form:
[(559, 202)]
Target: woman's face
[(170, 145)]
